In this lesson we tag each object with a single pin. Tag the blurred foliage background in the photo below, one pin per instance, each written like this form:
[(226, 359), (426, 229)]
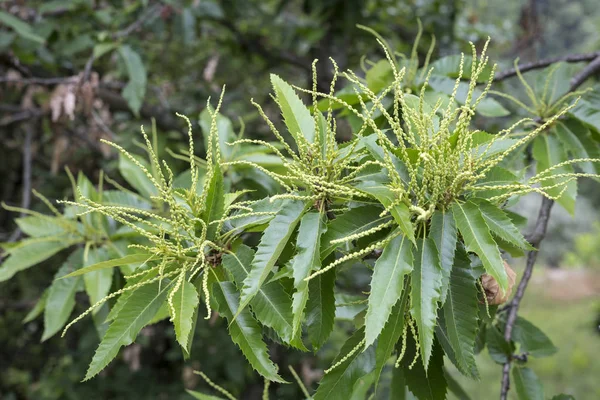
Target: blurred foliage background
[(75, 71)]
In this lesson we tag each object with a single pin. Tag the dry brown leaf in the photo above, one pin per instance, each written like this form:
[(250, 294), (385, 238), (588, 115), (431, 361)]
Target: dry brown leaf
[(492, 289)]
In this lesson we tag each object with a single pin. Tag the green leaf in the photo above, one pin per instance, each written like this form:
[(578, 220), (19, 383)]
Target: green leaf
[(103, 48), (44, 225), (527, 383), (202, 396), (61, 296), (532, 340), (477, 237), (500, 224), (460, 314), (548, 152), (579, 142), (425, 384), (139, 309), (295, 114), (387, 282), (426, 280), (307, 260), (38, 309), (225, 133), (563, 396), (254, 222), (450, 66), (455, 388), (587, 109), (136, 177), (185, 302), (30, 252), (320, 308), (271, 245), (398, 389), (352, 222), (339, 383), (215, 203), (22, 28), (115, 262), (245, 331), (444, 234), (97, 283), (135, 90), (488, 107), (390, 335), (500, 350), (386, 197), (271, 305)]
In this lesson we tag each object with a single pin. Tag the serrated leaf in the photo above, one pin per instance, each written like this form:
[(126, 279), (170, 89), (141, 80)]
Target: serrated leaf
[(352, 222), (477, 238), (578, 141), (253, 222), (38, 309), (245, 331), (500, 224), (426, 281), (272, 243), (307, 260), (136, 177), (460, 315), (444, 234), (30, 252), (587, 109), (139, 309), (271, 305), (454, 387), (386, 197), (185, 302), (548, 152), (390, 335), (61, 296), (532, 340), (215, 202), (488, 107), (527, 383), (115, 262), (135, 89), (320, 308), (387, 283), (425, 384), (97, 283), (296, 116), (43, 225), (339, 383), (225, 133), (202, 396)]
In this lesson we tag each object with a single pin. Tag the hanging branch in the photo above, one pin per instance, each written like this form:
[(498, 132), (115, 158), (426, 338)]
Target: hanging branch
[(539, 231)]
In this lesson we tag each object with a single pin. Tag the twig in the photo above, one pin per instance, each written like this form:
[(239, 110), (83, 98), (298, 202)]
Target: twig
[(535, 238), (572, 58), (146, 17), (26, 194)]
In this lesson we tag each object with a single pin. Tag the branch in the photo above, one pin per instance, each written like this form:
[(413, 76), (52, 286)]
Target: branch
[(572, 58), (146, 17), (26, 193), (537, 235)]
